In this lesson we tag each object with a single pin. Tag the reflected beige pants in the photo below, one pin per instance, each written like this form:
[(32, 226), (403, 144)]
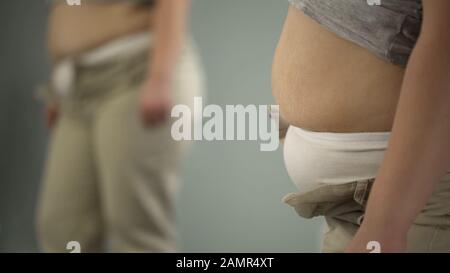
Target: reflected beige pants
[(343, 208), (109, 180)]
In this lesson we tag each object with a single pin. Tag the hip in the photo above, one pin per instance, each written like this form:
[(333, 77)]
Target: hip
[(81, 82)]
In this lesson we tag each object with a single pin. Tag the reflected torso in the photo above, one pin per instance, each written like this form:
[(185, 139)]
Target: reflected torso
[(325, 83), (73, 30)]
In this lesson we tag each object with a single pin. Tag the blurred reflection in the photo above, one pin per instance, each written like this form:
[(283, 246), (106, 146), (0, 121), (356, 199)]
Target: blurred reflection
[(110, 177)]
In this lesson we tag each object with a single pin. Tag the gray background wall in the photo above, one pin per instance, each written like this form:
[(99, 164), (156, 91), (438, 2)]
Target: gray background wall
[(230, 196)]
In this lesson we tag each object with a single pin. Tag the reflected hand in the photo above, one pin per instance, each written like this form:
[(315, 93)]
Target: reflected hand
[(155, 102), (51, 114)]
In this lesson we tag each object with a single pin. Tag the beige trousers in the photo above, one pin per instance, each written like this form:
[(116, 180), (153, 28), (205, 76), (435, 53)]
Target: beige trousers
[(343, 208), (109, 181)]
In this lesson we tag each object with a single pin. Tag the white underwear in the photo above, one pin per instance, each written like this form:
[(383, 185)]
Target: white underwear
[(314, 159), (63, 74)]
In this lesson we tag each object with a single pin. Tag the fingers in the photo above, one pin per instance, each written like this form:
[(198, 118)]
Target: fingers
[(51, 117), (154, 113), (154, 103)]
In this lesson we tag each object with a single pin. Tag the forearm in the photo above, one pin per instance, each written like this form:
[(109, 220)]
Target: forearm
[(419, 150), (169, 35)]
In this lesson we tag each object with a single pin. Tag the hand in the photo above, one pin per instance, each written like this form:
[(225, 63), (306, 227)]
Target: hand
[(155, 101), (51, 114), (389, 241)]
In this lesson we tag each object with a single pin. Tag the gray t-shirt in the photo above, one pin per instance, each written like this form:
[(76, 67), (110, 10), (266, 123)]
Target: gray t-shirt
[(390, 30)]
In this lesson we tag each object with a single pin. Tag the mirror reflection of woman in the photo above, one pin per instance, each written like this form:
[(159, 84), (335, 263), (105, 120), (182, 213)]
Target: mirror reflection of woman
[(111, 174)]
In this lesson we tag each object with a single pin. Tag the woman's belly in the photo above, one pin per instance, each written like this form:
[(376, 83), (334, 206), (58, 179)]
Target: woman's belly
[(73, 30), (325, 83)]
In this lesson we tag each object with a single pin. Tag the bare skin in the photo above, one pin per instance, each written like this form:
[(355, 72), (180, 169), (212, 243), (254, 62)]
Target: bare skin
[(73, 30), (325, 83)]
